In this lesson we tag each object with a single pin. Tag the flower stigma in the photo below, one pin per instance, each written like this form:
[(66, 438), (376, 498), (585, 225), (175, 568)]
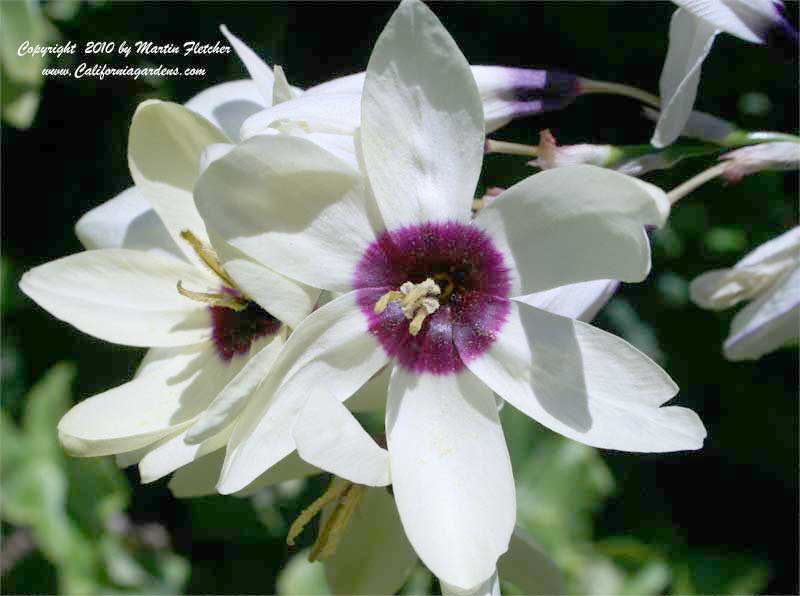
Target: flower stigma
[(347, 497), (417, 300)]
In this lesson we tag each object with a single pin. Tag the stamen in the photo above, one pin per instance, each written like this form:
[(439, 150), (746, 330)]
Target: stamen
[(208, 256), (416, 300), (347, 497), (214, 298), (336, 489)]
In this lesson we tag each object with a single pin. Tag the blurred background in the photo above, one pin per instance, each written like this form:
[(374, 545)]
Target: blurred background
[(722, 520)]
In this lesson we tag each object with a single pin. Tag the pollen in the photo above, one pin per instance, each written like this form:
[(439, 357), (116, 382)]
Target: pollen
[(417, 301)]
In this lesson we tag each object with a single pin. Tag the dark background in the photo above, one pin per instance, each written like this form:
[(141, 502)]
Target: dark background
[(736, 497)]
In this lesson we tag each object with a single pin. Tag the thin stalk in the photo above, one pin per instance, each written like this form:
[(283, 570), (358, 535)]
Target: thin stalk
[(684, 189), (493, 146), (591, 86)]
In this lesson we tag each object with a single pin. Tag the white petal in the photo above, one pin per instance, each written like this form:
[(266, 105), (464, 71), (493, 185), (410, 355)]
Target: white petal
[(768, 322), (200, 477), (126, 221), (173, 386), (164, 148), (786, 244), (285, 299), (585, 384), (528, 567), (258, 70), (690, 40), (373, 556), (328, 436), (451, 473), (281, 90), (123, 296), (574, 224), (228, 105), (333, 352), (746, 19), (170, 454), (329, 113), (229, 403), (372, 396), (212, 153), (291, 205), (491, 587), (577, 301), (722, 288), (353, 83), (422, 121)]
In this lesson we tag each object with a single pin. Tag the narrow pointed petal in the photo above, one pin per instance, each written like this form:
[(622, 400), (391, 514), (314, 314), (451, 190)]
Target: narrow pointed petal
[(123, 296), (229, 403), (528, 567), (259, 71), (767, 323), (580, 301), (604, 393), (328, 436), (329, 113), (172, 453), (333, 352), (173, 386), (422, 129), (200, 477), (281, 90), (690, 41), (164, 147), (491, 587), (126, 221), (574, 224), (285, 299), (451, 473), (291, 205), (228, 105), (374, 556)]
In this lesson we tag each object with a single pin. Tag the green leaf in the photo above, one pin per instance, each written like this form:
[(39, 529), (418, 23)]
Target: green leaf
[(46, 404), (21, 22)]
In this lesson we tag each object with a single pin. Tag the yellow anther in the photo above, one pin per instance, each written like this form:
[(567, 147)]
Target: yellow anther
[(333, 529), (417, 301), (208, 256), (214, 298), (383, 302), (336, 489)]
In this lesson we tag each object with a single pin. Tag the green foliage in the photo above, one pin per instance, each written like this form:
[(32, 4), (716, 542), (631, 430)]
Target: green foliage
[(73, 507)]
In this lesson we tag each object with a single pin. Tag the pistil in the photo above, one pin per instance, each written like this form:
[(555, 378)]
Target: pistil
[(417, 301)]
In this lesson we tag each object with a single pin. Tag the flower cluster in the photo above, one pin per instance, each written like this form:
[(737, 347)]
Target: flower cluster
[(292, 257)]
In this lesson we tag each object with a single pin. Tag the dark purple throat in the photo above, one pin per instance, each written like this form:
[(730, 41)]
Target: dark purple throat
[(235, 331), (473, 304)]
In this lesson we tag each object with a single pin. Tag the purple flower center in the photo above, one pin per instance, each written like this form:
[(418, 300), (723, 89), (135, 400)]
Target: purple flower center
[(236, 330), (473, 302)]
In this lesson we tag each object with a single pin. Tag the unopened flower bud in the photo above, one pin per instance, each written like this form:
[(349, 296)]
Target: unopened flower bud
[(756, 158), (553, 156)]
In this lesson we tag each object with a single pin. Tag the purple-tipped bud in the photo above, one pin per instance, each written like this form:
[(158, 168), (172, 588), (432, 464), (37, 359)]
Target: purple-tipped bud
[(509, 93)]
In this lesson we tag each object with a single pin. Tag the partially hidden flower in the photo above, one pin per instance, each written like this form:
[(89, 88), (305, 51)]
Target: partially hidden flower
[(156, 279), (429, 298), (691, 34), (782, 155), (770, 278)]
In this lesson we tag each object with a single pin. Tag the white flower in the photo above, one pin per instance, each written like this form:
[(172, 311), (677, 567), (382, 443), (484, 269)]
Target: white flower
[(213, 339), (770, 277), (552, 156), (310, 215), (691, 34), (782, 155)]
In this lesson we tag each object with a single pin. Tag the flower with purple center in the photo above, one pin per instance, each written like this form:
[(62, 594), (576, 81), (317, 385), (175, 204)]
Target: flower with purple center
[(439, 302)]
